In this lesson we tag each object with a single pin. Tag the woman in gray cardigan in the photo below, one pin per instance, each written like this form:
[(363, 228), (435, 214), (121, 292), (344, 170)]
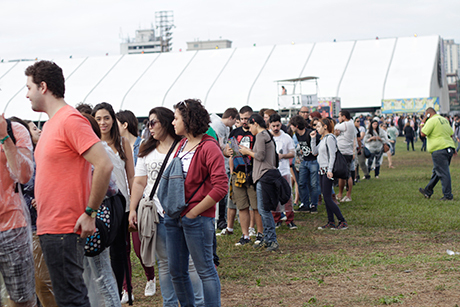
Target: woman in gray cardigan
[(326, 151), (374, 140)]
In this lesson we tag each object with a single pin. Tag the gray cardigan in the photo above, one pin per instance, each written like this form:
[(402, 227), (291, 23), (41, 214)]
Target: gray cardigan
[(375, 146), (264, 155), (326, 156)]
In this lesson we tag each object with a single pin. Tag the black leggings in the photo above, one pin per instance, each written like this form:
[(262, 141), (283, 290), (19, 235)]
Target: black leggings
[(118, 257), (331, 207)]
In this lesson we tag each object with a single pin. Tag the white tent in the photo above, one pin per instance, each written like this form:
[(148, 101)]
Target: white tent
[(361, 73)]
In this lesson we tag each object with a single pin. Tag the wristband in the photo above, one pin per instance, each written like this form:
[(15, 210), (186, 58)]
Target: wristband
[(4, 139)]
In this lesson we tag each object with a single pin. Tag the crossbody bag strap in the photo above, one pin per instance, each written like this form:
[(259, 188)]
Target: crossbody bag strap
[(163, 166), (198, 188)]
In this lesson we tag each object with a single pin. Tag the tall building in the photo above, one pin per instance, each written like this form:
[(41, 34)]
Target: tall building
[(205, 45), (452, 66), (452, 58)]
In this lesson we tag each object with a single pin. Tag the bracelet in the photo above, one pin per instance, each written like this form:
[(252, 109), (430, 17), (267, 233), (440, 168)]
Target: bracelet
[(4, 139)]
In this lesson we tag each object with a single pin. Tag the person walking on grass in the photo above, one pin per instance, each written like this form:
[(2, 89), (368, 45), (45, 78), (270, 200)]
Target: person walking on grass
[(326, 151), (438, 132)]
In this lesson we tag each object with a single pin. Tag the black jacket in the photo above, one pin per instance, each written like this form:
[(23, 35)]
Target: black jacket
[(275, 189)]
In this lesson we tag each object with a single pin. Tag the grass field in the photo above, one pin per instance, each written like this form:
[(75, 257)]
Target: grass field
[(393, 253)]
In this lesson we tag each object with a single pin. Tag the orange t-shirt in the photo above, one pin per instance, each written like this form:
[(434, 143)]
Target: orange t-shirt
[(12, 206), (63, 176)]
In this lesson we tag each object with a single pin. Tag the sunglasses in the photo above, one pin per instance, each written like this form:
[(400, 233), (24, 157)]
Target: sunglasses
[(151, 123)]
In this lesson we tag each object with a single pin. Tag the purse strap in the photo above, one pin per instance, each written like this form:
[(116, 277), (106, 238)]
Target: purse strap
[(162, 168)]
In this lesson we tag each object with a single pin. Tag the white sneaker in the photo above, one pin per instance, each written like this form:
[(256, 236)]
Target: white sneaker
[(252, 232), (150, 287), (124, 297)]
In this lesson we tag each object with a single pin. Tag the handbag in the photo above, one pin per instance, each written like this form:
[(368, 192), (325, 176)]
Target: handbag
[(367, 152), (171, 191), (386, 147), (108, 221), (340, 168)]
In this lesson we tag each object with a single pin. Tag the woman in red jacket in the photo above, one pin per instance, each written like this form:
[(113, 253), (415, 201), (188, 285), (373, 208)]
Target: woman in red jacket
[(206, 183)]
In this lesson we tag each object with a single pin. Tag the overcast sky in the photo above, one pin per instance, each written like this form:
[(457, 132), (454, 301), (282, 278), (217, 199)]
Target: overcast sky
[(51, 29)]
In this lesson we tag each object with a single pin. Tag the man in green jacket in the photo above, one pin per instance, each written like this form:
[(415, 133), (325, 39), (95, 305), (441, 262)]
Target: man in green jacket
[(439, 133)]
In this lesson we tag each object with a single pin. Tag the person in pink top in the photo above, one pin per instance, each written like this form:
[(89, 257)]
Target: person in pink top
[(67, 197), (16, 259)]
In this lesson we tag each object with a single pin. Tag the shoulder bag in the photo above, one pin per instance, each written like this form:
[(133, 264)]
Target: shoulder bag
[(340, 168)]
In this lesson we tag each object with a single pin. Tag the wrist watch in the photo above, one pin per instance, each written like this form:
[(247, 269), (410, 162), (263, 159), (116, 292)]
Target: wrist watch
[(91, 212)]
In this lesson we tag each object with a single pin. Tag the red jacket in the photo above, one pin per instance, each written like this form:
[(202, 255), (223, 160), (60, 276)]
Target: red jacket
[(208, 159)]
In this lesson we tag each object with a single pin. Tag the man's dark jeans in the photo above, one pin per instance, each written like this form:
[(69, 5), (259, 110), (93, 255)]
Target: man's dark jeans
[(64, 257), (441, 162)]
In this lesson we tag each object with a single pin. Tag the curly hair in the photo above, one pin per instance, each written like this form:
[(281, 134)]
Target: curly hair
[(196, 118), (114, 131), (165, 116), (50, 73)]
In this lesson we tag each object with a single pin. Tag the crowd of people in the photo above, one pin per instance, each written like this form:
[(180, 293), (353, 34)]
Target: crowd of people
[(76, 194)]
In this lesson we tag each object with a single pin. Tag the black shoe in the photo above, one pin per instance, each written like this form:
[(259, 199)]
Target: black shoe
[(445, 198), (314, 210), (304, 208), (242, 241), (422, 190), (222, 224), (292, 226), (278, 225), (367, 177)]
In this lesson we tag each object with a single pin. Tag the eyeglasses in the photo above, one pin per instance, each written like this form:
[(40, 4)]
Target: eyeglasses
[(151, 123), (314, 126), (306, 112)]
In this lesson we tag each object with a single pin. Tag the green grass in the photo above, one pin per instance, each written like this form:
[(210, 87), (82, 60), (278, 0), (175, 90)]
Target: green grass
[(393, 253)]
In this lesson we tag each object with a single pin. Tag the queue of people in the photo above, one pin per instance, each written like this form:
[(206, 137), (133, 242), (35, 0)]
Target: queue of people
[(78, 194)]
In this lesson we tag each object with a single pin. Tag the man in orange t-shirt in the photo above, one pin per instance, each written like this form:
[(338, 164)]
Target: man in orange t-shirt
[(16, 259), (67, 198)]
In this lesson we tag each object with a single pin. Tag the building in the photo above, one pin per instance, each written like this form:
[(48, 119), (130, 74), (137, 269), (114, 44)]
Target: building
[(451, 58), (144, 42), (206, 45), (452, 66)]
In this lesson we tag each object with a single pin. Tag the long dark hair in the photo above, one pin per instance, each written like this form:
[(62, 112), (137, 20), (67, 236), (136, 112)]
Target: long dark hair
[(26, 125), (165, 116), (256, 118), (370, 130), (114, 132), (127, 116)]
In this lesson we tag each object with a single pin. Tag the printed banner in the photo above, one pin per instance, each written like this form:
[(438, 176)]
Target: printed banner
[(409, 105)]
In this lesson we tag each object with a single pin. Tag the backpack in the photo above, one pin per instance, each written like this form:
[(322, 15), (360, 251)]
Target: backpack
[(108, 221)]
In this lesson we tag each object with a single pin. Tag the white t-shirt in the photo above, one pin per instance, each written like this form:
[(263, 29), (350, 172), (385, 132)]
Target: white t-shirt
[(346, 137), (284, 144), (150, 166)]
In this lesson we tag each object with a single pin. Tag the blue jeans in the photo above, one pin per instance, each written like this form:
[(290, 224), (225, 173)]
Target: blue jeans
[(166, 284), (441, 162), (370, 160), (267, 217), (193, 237), (309, 182), (64, 257), (100, 281)]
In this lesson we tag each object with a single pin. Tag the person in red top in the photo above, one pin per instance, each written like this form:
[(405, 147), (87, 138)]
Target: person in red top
[(193, 233), (63, 185), (16, 259)]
